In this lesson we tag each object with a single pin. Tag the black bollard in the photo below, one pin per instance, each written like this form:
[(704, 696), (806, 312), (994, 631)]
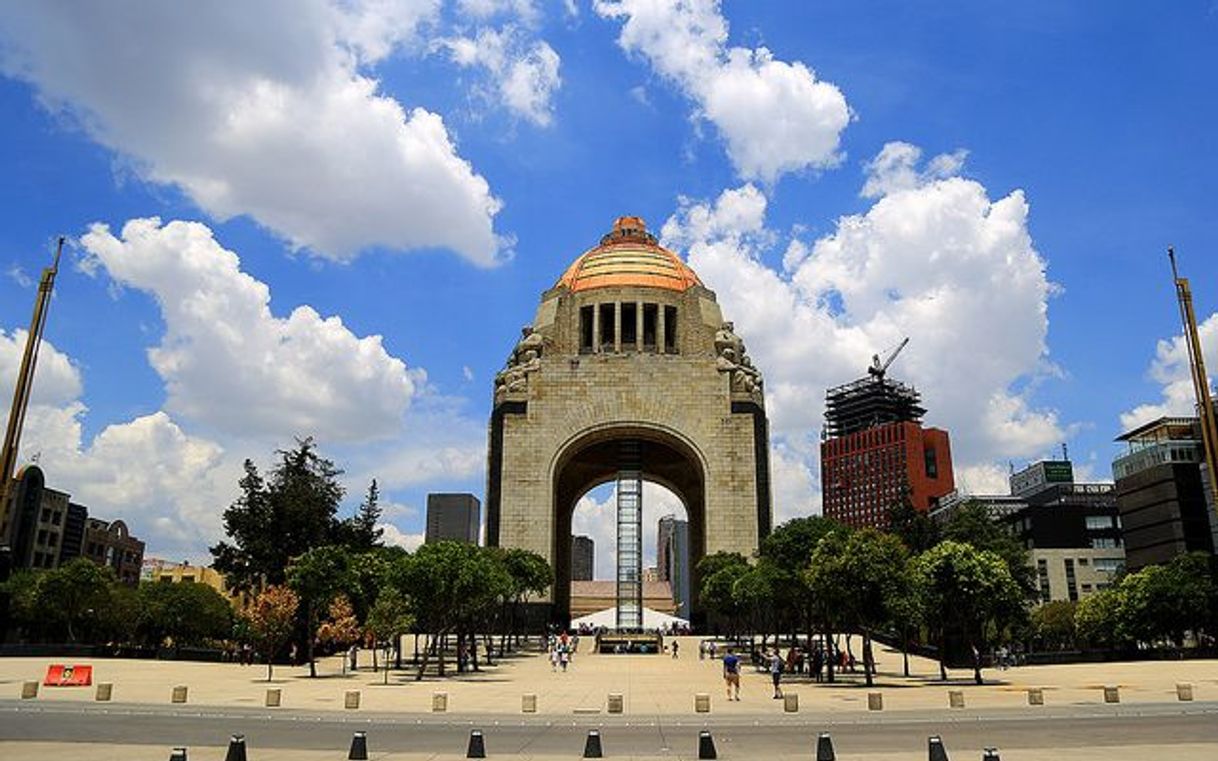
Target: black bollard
[(592, 746), (824, 748), (989, 754), (177, 754), (477, 748), (937, 751), (359, 747), (706, 745), (236, 749)]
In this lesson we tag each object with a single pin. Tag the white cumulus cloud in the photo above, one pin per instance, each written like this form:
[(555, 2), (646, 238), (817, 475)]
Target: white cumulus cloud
[(265, 110), (523, 72), (775, 116), (936, 259), (1170, 369), (235, 367)]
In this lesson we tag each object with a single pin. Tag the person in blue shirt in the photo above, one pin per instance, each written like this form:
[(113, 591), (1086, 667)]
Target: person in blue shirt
[(731, 675)]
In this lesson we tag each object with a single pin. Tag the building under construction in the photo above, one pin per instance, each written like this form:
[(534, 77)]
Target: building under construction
[(876, 455)]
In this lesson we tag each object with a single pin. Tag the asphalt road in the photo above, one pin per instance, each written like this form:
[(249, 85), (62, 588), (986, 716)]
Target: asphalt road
[(1046, 727)]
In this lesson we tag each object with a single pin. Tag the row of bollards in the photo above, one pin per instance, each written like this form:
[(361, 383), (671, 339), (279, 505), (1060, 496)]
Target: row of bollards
[(592, 748)]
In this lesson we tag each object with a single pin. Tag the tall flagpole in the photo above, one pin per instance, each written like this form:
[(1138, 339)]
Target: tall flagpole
[(23, 387)]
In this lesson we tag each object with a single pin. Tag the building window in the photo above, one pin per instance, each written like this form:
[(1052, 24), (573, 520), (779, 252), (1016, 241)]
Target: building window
[(630, 333), (650, 320), (42, 536), (670, 330), (607, 333), (1042, 572), (1097, 522), (1105, 543), (585, 329), (1071, 581), (1109, 565), (1086, 589)]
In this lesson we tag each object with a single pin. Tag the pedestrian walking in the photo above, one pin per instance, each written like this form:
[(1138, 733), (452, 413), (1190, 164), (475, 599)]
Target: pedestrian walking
[(731, 675), (675, 645), (564, 658), (554, 658), (776, 666), (818, 663)]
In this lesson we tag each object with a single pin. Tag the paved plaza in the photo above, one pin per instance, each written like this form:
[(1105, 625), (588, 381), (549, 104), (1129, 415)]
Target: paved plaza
[(651, 685), (659, 720)]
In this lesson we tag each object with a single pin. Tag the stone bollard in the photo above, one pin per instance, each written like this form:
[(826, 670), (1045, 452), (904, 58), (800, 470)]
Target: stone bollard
[(274, 697), (1036, 696), (702, 702), (875, 701), (706, 746), (236, 749), (1184, 692), (104, 691), (824, 748), (177, 754), (990, 754), (179, 694), (29, 690), (592, 746), (528, 703), (439, 702), (351, 700), (790, 702), (955, 698), (615, 702), (1112, 694)]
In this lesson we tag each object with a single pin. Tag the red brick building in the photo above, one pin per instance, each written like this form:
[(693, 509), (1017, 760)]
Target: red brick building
[(875, 453)]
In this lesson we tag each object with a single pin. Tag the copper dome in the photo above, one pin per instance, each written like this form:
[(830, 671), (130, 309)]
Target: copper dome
[(629, 256)]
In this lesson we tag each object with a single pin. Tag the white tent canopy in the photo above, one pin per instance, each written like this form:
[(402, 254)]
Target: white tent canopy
[(652, 619)]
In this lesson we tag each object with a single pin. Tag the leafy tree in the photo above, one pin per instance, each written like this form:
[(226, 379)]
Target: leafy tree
[(1053, 624), (360, 532), (971, 523), (73, 593), (1097, 618), (272, 619), (186, 613), (719, 573), (754, 595), (279, 518), (913, 526), (968, 589), (862, 573), (789, 549), (452, 587), (530, 575), (340, 629), (318, 577), (388, 620)]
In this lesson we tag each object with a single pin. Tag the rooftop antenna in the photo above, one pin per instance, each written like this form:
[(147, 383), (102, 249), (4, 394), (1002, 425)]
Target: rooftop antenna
[(1065, 452)]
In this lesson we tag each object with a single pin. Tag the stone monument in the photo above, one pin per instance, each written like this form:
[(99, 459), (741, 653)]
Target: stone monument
[(627, 365)]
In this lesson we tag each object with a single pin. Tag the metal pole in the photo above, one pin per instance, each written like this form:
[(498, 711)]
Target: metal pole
[(24, 385), (1201, 386)]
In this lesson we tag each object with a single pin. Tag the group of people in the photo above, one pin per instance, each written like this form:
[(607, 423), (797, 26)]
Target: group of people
[(562, 648), (797, 661)]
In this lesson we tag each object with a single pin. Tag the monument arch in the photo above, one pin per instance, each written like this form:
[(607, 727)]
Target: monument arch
[(628, 370)]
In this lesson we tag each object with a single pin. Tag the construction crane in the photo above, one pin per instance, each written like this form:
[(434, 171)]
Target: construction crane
[(25, 383), (1201, 383), (878, 368)]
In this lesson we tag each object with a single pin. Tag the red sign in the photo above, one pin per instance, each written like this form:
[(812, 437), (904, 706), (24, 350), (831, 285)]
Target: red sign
[(59, 675)]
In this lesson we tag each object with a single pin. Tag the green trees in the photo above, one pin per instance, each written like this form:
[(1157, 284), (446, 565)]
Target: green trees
[(279, 518), (272, 617), (1053, 625), (317, 577), (184, 614), (719, 573), (1156, 604), (860, 575), (969, 590), (73, 594), (389, 618)]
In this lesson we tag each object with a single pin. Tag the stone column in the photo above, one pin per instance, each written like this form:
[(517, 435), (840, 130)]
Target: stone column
[(596, 328), (617, 327), (638, 326), (659, 328)]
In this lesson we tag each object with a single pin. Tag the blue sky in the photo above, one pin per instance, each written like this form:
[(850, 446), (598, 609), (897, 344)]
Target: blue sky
[(998, 181)]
